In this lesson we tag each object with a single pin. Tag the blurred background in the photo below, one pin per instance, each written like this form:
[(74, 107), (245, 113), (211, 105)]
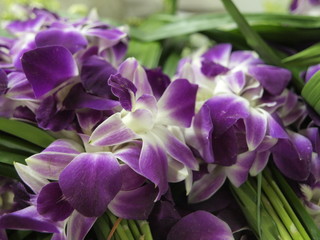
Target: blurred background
[(124, 9)]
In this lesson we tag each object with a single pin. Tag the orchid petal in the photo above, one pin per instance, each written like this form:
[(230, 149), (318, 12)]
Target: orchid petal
[(238, 173), (131, 180), (79, 98), (90, 182), (27, 219), (111, 132), (219, 54), (260, 162), (95, 73), (3, 82), (68, 38), (30, 177), (51, 162), (48, 67), (256, 127), (123, 89), (128, 68), (176, 149), (50, 203), (208, 185), (236, 81), (293, 156), (226, 110), (273, 79), (153, 163), (130, 155), (158, 81), (176, 106), (275, 129), (200, 225), (78, 226), (134, 204), (211, 69), (140, 80)]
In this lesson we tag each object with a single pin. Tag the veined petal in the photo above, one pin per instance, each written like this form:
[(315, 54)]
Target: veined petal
[(293, 156), (208, 185), (219, 54), (111, 132), (200, 225), (128, 68), (256, 128), (176, 149), (130, 155), (140, 80), (48, 67), (78, 98), (68, 38), (95, 72), (259, 163), (90, 182), (201, 136), (134, 204), (226, 110), (124, 89), (177, 171), (273, 79), (176, 106), (51, 204), (153, 163), (158, 81), (78, 226), (238, 173), (30, 177), (3, 82), (130, 179), (27, 219), (51, 162)]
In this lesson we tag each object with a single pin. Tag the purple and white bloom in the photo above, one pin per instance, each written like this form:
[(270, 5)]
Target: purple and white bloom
[(305, 7), (200, 225), (147, 119), (311, 200), (95, 171), (55, 71), (237, 126)]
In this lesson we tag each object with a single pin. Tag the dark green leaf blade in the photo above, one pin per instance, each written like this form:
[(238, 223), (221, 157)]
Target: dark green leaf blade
[(26, 131)]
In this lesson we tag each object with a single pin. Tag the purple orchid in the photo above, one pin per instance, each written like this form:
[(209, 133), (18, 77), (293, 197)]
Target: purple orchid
[(311, 200), (305, 7), (56, 71), (237, 126), (145, 118), (69, 163)]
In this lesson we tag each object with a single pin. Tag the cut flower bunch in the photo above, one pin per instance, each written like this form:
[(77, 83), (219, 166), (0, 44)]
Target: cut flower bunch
[(151, 131)]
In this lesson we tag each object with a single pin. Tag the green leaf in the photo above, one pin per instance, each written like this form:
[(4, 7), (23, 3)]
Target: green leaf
[(11, 157), (296, 204), (7, 170), (311, 90), (308, 56), (148, 54), (259, 181), (252, 38), (15, 143), (26, 131)]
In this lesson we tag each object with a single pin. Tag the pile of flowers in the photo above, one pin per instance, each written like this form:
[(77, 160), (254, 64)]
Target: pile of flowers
[(136, 153)]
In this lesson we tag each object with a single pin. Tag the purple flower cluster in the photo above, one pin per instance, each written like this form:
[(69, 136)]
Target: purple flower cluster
[(135, 131)]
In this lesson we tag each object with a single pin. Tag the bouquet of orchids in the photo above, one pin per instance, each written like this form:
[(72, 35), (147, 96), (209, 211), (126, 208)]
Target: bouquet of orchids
[(98, 142)]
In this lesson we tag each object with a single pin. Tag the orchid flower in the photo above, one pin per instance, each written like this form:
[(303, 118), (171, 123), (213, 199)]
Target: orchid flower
[(145, 118)]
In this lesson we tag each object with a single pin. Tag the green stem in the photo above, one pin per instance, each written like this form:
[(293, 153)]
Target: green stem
[(119, 230), (145, 229), (126, 228), (134, 229), (259, 181), (282, 230), (286, 205), (170, 6), (278, 206)]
